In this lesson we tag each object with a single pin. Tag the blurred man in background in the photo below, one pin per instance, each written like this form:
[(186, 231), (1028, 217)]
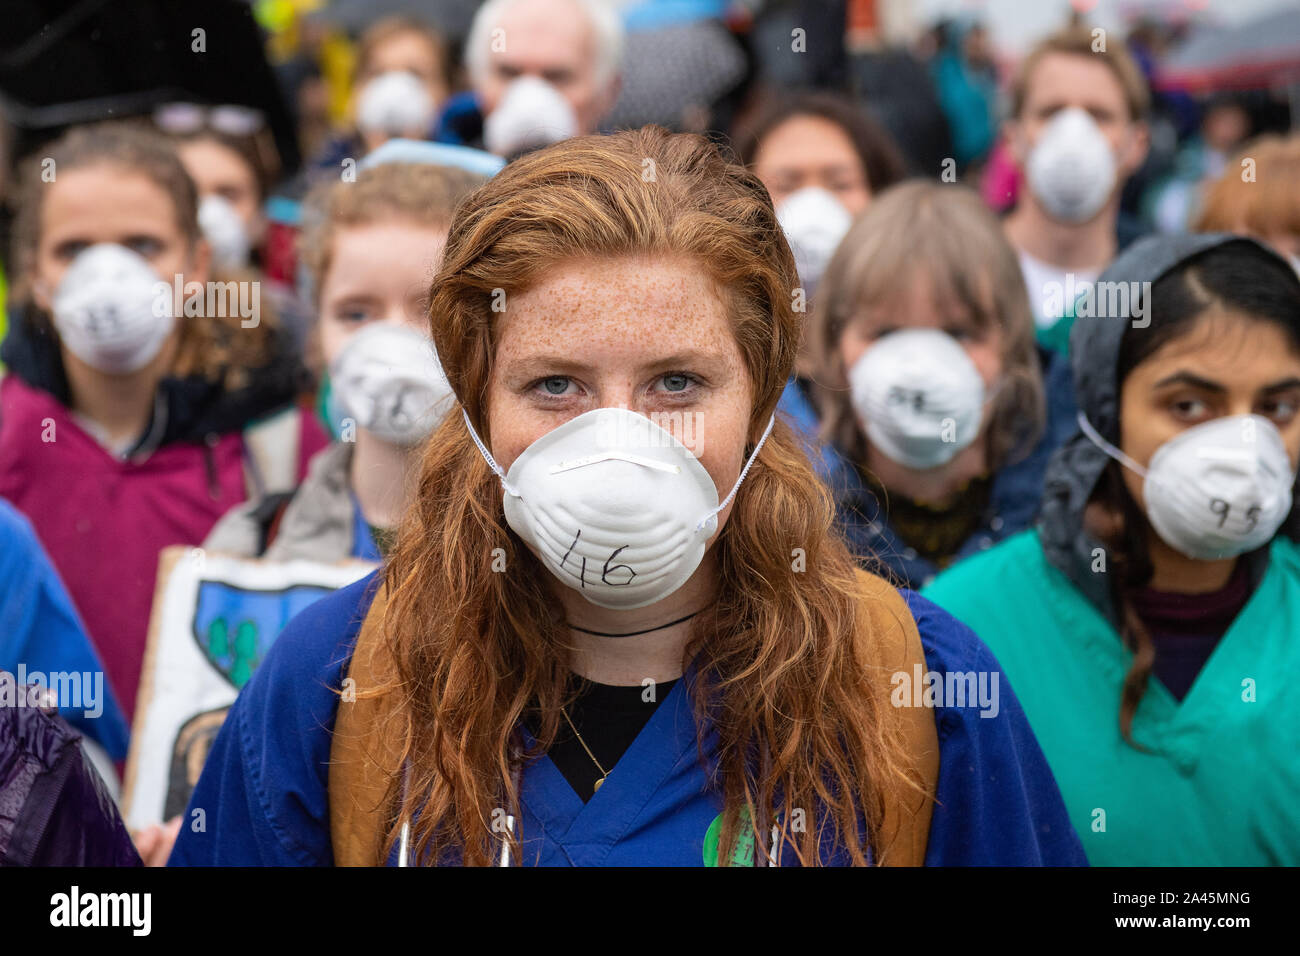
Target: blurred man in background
[(1077, 132), (541, 70)]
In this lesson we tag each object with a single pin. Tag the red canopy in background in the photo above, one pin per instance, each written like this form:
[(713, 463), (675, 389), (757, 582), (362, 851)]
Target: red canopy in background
[(1264, 52)]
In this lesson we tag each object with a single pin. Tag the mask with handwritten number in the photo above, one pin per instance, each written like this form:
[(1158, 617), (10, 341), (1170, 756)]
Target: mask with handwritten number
[(918, 397), (387, 378), (109, 311), (615, 506), (1216, 490)]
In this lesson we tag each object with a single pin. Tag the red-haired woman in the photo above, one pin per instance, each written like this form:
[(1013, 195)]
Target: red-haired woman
[(617, 627)]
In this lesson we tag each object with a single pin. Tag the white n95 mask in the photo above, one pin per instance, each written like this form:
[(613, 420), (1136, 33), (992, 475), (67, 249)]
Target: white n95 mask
[(225, 232), (615, 506), (531, 113), (112, 310), (814, 222), (387, 378), (1071, 169), (395, 102), (918, 396), (1216, 490)]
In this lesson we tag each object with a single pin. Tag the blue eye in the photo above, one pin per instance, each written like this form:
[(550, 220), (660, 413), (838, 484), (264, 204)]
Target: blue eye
[(555, 385), (677, 382)]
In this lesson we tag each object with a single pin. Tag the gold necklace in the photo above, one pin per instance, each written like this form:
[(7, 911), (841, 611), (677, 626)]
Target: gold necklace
[(603, 772)]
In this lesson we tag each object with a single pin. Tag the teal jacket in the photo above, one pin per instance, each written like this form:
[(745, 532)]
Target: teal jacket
[(1219, 783)]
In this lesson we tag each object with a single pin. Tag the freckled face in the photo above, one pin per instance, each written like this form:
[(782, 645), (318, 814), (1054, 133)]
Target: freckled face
[(649, 335)]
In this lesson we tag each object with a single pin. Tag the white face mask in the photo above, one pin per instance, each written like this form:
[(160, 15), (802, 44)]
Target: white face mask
[(1072, 169), (615, 506), (388, 380), (225, 233), (531, 113), (918, 396), (814, 222), (1216, 490), (394, 103), (112, 310)]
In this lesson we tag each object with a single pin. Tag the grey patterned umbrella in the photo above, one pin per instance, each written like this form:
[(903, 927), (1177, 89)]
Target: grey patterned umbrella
[(670, 71)]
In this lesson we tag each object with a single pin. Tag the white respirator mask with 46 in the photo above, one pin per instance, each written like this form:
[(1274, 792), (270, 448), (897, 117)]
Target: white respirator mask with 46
[(918, 397), (112, 310), (1216, 490), (615, 506)]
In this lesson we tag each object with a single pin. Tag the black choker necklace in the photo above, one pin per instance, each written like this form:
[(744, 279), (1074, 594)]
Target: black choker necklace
[(634, 633)]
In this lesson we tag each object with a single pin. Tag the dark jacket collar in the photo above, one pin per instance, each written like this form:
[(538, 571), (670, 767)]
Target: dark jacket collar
[(185, 409)]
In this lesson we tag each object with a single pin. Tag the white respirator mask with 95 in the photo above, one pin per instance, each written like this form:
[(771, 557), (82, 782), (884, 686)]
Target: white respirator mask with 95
[(1216, 490), (615, 506)]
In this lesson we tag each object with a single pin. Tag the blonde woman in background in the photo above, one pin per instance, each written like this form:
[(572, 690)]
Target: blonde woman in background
[(935, 409)]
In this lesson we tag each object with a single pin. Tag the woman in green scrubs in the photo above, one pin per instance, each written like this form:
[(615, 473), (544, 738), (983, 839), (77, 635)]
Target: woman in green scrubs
[(1150, 623)]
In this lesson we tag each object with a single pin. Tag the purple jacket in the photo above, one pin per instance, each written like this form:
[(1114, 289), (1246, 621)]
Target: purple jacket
[(54, 807)]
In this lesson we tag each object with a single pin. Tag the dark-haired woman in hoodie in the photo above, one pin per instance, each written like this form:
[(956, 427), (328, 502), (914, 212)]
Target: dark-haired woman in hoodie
[(1148, 624), (132, 417)]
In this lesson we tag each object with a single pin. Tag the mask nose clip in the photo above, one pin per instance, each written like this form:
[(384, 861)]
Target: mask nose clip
[(615, 456)]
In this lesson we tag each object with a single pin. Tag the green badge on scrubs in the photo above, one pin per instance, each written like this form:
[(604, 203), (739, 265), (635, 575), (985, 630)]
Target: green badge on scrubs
[(743, 855)]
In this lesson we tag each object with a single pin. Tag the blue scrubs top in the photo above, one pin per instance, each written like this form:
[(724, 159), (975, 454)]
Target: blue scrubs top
[(264, 788), (41, 630), (363, 542)]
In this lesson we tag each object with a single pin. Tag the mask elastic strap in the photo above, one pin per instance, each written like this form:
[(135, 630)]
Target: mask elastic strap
[(1095, 437), (743, 472), (487, 455), (404, 843)]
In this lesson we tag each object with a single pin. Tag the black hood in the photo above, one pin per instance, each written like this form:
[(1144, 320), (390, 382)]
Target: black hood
[(1075, 468), (185, 409)]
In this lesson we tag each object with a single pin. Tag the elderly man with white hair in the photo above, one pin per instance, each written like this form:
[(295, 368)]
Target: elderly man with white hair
[(541, 71)]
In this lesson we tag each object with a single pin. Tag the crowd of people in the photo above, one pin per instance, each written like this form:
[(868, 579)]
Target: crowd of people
[(763, 462)]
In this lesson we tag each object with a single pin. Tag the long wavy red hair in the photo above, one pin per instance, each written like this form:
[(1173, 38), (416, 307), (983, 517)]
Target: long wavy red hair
[(799, 721)]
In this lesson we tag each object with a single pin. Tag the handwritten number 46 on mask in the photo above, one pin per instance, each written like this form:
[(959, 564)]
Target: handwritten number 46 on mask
[(605, 572)]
